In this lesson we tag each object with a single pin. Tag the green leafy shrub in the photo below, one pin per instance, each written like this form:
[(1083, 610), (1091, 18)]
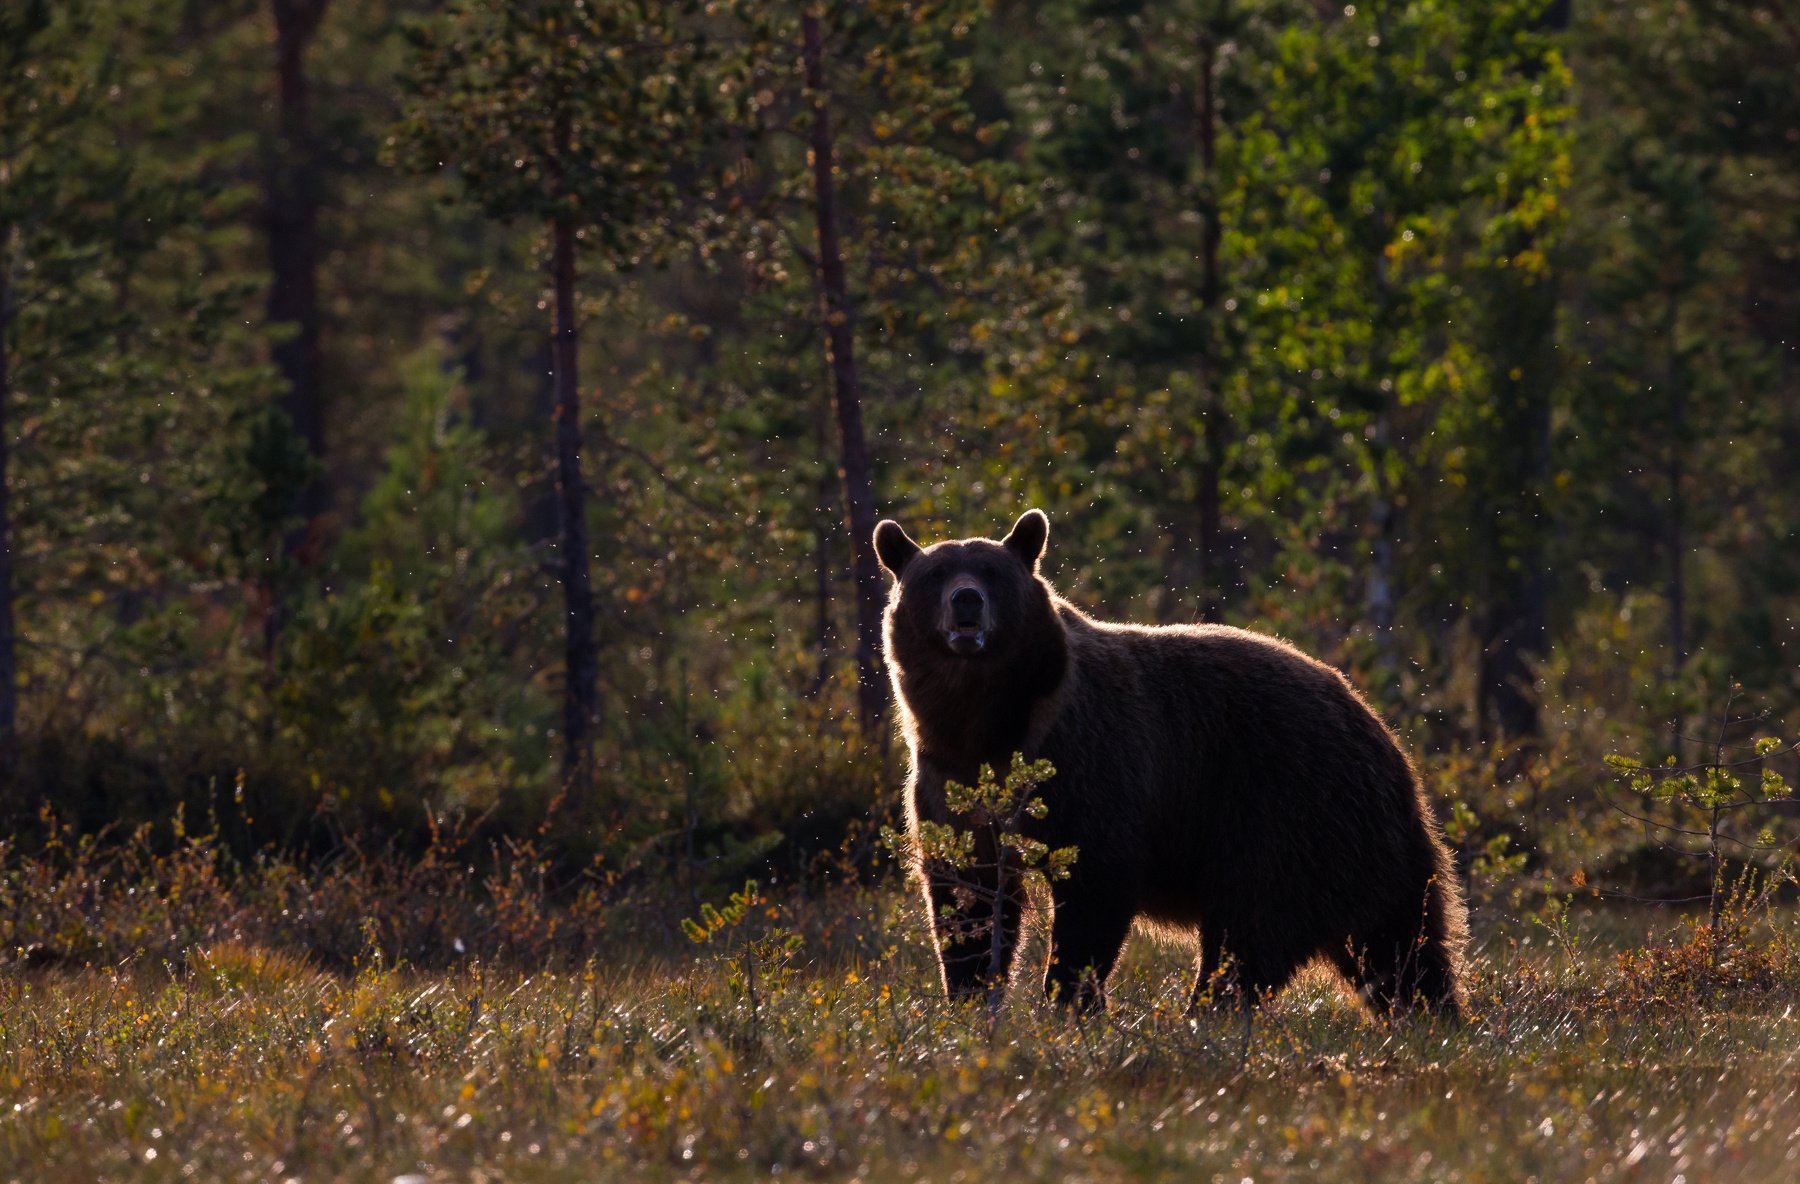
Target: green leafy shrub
[(1694, 809), (989, 857)]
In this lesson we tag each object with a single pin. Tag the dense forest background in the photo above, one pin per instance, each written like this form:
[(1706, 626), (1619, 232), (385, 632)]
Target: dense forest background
[(417, 411)]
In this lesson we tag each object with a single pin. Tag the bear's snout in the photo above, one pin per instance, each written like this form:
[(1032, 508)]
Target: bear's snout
[(966, 618)]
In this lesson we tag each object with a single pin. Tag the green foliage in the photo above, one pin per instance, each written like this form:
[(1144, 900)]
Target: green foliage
[(1709, 786), (760, 955), (1479, 327), (1703, 802), (555, 109), (988, 854), (441, 500), (131, 382), (1496, 857), (952, 304), (417, 650), (993, 814)]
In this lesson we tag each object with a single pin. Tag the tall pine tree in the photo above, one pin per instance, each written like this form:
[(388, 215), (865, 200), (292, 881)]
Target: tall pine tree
[(587, 119)]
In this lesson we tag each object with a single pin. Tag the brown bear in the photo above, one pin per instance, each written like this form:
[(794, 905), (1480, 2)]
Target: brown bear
[(1219, 784)]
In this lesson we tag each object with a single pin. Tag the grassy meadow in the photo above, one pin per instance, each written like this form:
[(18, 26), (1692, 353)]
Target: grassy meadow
[(806, 1041)]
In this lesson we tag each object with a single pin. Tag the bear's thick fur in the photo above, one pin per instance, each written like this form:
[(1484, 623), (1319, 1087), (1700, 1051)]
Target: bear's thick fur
[(1218, 783)]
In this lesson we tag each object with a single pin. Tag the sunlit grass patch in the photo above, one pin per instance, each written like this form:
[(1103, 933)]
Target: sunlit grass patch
[(247, 1063)]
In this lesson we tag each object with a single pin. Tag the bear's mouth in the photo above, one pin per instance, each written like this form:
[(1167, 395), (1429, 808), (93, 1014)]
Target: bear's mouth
[(966, 639)]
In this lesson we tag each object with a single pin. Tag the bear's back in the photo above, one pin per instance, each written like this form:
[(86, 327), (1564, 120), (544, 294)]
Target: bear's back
[(1191, 683), (1212, 759)]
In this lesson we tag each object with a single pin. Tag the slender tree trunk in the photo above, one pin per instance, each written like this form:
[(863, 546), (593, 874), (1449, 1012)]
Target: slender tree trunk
[(1513, 631), (1208, 116), (823, 567), (1511, 533), (292, 217), (825, 563), (1677, 498), (1212, 409), (1382, 510), (840, 348), (1381, 558), (1514, 623), (1383, 514), (9, 662), (580, 663)]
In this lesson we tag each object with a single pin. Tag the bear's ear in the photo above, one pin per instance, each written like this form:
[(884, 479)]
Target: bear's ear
[(893, 547), (1027, 538)]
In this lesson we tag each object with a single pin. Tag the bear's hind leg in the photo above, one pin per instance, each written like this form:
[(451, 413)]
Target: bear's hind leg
[(1086, 936), (1398, 971)]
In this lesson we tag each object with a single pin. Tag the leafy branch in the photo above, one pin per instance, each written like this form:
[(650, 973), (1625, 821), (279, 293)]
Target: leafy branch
[(1704, 797), (986, 855), (762, 958)]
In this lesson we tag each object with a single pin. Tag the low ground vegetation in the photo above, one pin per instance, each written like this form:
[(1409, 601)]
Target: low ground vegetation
[(805, 1035)]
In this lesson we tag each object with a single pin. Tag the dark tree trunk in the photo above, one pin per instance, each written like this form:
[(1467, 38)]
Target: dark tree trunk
[(1211, 563), (9, 662), (1384, 513), (825, 565), (1381, 595), (580, 664), (840, 348), (1513, 625), (1513, 633), (1677, 496), (1512, 621), (292, 219)]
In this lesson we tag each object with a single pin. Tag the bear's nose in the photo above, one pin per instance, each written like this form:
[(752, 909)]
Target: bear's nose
[(965, 606)]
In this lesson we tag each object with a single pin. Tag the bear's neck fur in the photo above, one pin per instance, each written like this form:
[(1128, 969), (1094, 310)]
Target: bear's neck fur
[(969, 712)]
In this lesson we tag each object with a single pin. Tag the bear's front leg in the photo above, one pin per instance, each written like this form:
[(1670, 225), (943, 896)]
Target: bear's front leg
[(972, 955), (1087, 932)]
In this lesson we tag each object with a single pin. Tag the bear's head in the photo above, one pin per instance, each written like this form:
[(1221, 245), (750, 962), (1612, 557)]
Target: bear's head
[(972, 600)]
